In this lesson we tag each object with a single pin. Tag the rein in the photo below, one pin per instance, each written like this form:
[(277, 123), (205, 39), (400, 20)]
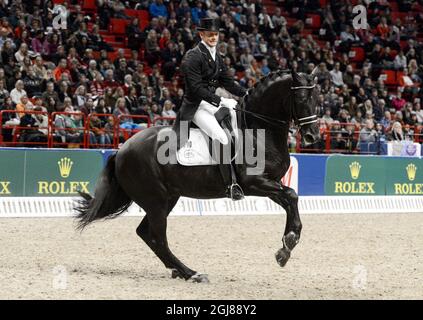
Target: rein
[(264, 118)]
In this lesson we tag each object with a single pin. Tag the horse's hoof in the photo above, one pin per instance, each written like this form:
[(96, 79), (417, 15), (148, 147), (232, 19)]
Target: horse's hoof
[(176, 274), (282, 256), (290, 240), (200, 278)]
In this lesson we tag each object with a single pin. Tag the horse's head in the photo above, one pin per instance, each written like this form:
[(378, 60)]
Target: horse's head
[(304, 108)]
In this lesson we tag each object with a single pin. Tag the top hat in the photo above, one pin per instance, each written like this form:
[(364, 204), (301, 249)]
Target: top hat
[(209, 24)]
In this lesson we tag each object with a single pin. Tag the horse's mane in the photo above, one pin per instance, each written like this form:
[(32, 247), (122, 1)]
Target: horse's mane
[(255, 94)]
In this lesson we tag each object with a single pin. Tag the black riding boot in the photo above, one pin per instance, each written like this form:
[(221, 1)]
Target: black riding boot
[(234, 190)]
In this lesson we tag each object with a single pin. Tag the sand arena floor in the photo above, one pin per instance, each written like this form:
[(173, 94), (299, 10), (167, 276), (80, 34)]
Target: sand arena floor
[(359, 256)]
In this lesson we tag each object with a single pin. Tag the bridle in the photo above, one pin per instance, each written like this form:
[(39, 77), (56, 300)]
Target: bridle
[(276, 122)]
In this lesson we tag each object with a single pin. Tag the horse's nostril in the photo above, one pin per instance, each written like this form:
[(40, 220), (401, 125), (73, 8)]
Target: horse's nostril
[(308, 138)]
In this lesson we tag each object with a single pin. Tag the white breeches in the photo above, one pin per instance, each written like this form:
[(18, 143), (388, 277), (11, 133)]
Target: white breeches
[(205, 120)]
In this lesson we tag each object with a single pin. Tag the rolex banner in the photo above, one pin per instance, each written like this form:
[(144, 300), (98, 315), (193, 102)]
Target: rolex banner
[(355, 175), (404, 176), (48, 173), (373, 175), (11, 173)]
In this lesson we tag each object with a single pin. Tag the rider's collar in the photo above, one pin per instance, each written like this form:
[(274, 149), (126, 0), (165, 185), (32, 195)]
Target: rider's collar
[(212, 50)]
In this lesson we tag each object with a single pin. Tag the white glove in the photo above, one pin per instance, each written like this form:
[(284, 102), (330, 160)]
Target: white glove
[(228, 103)]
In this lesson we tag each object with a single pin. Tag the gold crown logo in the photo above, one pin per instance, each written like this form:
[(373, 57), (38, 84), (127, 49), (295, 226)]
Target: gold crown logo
[(411, 171), (65, 166), (355, 169)]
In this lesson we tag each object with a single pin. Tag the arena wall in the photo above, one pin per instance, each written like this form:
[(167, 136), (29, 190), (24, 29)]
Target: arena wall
[(36, 182)]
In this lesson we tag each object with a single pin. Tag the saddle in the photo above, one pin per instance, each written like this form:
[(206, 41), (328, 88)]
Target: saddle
[(201, 150)]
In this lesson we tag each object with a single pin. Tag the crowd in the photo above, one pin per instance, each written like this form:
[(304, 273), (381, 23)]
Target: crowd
[(47, 70)]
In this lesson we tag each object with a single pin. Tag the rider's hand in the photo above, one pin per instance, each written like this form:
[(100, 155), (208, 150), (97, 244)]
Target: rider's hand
[(228, 103)]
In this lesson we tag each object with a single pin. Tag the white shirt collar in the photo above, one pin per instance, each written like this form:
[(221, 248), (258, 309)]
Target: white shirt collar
[(212, 50)]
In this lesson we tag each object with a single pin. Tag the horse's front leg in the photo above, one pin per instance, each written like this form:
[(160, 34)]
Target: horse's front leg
[(287, 198)]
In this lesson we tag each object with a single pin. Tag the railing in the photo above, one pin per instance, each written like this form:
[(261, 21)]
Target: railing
[(18, 131), (120, 132), (339, 140), (114, 139), (79, 140), (169, 121), (126, 133)]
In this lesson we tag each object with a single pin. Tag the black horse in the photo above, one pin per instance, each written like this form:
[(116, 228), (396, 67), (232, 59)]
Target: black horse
[(134, 173)]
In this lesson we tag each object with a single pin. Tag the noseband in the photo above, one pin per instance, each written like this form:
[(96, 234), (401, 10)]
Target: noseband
[(306, 120)]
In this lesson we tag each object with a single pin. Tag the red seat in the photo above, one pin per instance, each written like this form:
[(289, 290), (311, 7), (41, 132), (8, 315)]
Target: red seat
[(313, 20), (142, 15), (112, 55), (109, 38), (357, 54), (118, 26), (144, 19), (127, 53), (390, 77), (398, 15), (393, 54), (307, 32), (403, 44), (96, 55), (116, 44), (89, 5), (399, 75)]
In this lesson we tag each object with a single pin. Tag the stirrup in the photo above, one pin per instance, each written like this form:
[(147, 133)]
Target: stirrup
[(235, 192)]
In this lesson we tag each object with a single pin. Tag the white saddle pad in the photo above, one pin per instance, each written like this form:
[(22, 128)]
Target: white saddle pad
[(196, 150)]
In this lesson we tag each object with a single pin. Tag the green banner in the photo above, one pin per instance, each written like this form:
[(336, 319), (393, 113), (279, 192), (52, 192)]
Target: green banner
[(47, 173), (61, 173), (404, 176), (355, 175), (11, 173)]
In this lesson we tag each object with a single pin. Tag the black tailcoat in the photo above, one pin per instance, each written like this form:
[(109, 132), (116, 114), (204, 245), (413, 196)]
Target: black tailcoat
[(202, 75)]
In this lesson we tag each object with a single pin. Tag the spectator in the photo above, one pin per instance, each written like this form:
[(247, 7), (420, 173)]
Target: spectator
[(18, 92), (368, 133), (22, 53), (396, 133), (198, 13), (400, 61), (418, 110), (398, 102), (60, 70), (136, 36), (36, 128), (336, 75), (386, 121), (158, 9), (65, 128), (168, 112), (408, 83), (100, 135)]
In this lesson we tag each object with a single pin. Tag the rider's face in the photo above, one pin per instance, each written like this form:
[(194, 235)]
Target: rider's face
[(210, 37)]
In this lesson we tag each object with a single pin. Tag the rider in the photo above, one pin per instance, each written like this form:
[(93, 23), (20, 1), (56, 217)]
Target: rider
[(204, 71)]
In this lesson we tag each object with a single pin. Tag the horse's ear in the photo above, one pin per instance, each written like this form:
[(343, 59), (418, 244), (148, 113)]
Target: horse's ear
[(296, 78)]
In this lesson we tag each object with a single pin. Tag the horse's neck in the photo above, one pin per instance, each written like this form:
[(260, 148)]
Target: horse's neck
[(276, 146)]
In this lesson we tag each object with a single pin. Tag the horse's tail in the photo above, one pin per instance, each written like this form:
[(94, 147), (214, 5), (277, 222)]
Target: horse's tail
[(109, 199)]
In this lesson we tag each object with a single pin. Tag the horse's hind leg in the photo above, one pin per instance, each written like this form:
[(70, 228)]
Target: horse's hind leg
[(152, 230), (288, 199)]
